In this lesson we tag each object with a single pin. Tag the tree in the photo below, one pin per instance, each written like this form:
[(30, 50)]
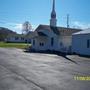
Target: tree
[(26, 27)]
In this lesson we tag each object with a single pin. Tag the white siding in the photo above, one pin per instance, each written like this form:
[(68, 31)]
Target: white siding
[(39, 40), (65, 40), (64, 43), (79, 44)]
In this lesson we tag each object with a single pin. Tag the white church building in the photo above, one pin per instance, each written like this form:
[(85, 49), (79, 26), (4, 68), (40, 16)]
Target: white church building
[(51, 37)]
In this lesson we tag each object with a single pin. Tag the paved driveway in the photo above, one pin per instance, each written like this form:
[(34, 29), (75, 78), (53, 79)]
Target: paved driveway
[(34, 71)]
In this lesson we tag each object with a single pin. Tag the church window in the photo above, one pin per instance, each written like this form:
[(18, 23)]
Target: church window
[(41, 44), (33, 42), (52, 41)]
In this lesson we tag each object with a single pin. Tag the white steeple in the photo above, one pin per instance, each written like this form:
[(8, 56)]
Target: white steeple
[(53, 20)]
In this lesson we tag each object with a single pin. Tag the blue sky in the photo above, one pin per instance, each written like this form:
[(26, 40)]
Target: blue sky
[(15, 12)]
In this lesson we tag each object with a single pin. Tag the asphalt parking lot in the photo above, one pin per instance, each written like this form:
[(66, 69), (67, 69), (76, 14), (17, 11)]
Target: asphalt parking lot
[(35, 71)]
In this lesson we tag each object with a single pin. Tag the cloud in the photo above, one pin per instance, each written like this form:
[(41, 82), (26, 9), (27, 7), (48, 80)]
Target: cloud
[(77, 24), (18, 26), (12, 25)]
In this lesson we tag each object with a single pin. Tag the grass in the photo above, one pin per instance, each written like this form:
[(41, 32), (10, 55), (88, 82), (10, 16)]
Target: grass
[(14, 45)]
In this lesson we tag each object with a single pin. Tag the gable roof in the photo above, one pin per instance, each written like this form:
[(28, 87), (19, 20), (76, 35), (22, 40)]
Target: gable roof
[(57, 30)]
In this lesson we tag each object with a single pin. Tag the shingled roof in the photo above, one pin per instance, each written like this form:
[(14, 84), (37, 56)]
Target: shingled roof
[(58, 30)]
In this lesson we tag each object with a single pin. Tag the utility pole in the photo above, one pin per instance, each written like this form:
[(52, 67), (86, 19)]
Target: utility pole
[(68, 21)]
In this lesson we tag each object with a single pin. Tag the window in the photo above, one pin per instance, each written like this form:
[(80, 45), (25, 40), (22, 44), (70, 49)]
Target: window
[(16, 38), (22, 38), (88, 43), (33, 42), (52, 41), (29, 40), (26, 41), (41, 44), (61, 44)]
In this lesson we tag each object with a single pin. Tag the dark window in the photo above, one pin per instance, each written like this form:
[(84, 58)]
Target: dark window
[(25, 41), (41, 44), (16, 38), (22, 38), (88, 43), (33, 42), (52, 41), (61, 44), (29, 40)]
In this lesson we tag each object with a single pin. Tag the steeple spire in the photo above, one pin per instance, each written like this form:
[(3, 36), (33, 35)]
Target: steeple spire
[(53, 8), (53, 20)]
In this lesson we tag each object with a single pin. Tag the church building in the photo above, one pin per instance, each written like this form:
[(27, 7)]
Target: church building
[(51, 37)]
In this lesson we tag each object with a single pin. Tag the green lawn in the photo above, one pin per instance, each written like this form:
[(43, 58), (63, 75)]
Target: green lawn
[(13, 45)]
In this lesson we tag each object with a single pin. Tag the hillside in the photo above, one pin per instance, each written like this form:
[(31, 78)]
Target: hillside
[(4, 32)]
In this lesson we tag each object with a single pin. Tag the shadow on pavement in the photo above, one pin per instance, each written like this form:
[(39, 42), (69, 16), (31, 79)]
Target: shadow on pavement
[(70, 59), (64, 55)]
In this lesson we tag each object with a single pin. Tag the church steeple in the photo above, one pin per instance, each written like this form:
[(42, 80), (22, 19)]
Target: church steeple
[(53, 21), (53, 13)]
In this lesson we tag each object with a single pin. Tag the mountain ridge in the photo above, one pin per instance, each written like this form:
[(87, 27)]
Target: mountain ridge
[(4, 32)]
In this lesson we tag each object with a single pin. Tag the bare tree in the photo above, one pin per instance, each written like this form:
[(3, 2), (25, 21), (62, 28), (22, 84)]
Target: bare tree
[(26, 27)]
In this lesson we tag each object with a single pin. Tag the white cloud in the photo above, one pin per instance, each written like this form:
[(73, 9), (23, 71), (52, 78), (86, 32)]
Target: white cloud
[(18, 26), (81, 25)]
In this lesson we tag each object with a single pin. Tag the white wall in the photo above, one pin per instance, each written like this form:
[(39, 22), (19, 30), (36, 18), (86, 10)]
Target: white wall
[(39, 40), (79, 44), (47, 43), (46, 40), (66, 41)]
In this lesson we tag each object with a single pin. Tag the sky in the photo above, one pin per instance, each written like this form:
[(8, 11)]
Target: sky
[(13, 13)]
